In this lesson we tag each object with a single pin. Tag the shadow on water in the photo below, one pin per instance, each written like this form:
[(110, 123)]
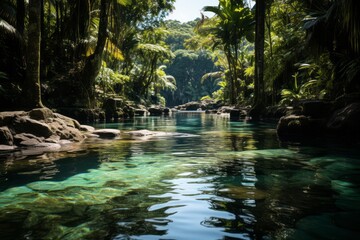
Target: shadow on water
[(18, 172)]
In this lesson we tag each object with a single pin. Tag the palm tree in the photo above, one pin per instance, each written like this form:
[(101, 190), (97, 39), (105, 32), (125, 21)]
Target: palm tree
[(33, 56), (93, 62), (259, 92), (149, 55), (234, 23)]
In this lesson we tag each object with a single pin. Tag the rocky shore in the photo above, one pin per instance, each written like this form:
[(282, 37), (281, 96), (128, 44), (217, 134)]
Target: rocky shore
[(41, 130), (44, 130)]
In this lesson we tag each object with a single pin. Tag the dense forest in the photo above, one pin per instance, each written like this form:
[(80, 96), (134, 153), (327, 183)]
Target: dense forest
[(78, 53)]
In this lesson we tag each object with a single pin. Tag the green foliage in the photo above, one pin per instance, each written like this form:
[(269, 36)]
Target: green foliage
[(311, 51), (228, 31), (111, 82), (312, 81)]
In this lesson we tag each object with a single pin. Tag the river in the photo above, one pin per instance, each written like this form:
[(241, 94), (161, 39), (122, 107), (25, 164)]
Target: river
[(204, 178)]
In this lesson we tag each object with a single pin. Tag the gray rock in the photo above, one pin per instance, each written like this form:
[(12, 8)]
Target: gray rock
[(6, 137), (167, 111), (68, 121), (41, 148), (57, 125), (141, 133), (6, 148), (107, 133), (86, 128), (141, 112), (30, 142), (27, 125), (41, 114), (71, 134), (18, 138), (155, 111), (6, 118), (91, 135), (224, 109), (192, 106), (52, 139)]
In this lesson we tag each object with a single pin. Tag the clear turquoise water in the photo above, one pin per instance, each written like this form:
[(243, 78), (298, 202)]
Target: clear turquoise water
[(213, 179)]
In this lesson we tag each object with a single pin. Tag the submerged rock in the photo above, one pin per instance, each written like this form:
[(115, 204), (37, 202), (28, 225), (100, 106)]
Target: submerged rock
[(241, 192)]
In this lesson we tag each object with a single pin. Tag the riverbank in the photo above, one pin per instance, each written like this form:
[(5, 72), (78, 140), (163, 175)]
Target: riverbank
[(41, 130)]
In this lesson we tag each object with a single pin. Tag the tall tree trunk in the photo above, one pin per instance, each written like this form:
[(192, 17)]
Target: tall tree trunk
[(33, 90), (259, 91), (20, 16), (79, 30), (93, 62)]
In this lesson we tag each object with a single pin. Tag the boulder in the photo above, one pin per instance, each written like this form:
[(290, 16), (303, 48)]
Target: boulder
[(211, 104), (71, 134), (107, 133), (224, 109), (41, 114), (141, 133), (6, 118), (69, 121), (167, 111), (6, 148), (346, 121), (57, 125), (295, 127), (111, 107), (192, 106), (30, 142), (316, 108), (6, 138), (40, 148), (53, 139), (140, 112), (86, 128), (21, 137), (155, 111), (129, 112), (28, 125)]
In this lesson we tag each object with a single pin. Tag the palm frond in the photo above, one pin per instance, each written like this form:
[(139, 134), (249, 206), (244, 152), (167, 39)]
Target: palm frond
[(113, 50), (8, 12), (149, 48), (212, 75), (124, 2), (6, 27)]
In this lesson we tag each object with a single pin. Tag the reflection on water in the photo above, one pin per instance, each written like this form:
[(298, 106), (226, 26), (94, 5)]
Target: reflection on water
[(215, 179)]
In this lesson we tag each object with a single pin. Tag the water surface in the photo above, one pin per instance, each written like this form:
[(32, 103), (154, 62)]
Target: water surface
[(213, 179)]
